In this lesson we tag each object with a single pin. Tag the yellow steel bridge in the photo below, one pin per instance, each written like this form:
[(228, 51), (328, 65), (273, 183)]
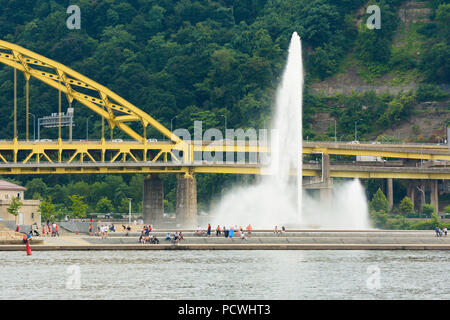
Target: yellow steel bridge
[(172, 155)]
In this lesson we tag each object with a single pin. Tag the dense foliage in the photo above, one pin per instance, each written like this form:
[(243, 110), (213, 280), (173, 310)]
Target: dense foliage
[(380, 218)]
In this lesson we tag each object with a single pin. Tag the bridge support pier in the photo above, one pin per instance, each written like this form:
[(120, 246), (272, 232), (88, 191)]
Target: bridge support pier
[(186, 210), (153, 200), (421, 188), (390, 193), (434, 194)]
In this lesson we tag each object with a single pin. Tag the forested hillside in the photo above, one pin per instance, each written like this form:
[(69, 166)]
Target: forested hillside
[(207, 60)]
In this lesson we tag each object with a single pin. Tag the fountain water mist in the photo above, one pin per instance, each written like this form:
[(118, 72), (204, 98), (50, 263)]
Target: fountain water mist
[(277, 199)]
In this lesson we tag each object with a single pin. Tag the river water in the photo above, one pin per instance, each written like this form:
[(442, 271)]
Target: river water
[(225, 275)]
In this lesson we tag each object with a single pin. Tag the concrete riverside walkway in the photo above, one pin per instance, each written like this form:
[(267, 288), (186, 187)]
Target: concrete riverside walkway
[(259, 240)]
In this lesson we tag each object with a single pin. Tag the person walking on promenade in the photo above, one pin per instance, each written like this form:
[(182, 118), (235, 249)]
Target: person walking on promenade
[(276, 230), (218, 231), (225, 232), (56, 230), (249, 229), (208, 232), (91, 229), (445, 231), (438, 232), (230, 233)]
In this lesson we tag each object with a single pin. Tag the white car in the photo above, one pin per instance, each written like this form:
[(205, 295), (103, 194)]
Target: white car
[(117, 140), (152, 140)]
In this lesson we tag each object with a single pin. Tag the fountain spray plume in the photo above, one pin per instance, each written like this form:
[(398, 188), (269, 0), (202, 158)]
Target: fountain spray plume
[(286, 145), (278, 198)]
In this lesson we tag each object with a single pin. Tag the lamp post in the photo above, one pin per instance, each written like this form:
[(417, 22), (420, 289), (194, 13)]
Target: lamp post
[(87, 127), (34, 126), (129, 211), (171, 127)]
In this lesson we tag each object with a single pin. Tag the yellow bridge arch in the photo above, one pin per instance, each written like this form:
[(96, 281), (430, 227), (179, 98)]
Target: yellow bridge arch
[(115, 109)]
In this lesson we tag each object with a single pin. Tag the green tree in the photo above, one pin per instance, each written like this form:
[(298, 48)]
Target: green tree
[(47, 209), (35, 187), (379, 203), (14, 207), (447, 209), (428, 209), (406, 206), (104, 205), (78, 207), (124, 206)]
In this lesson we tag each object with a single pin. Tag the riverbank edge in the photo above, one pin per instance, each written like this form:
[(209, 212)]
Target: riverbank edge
[(229, 247)]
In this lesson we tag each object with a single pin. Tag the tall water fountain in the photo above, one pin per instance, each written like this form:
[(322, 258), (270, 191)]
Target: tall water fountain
[(278, 198)]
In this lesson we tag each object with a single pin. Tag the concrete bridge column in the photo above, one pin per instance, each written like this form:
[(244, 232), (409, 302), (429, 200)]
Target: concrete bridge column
[(153, 200), (434, 195), (390, 192), (326, 190), (186, 210)]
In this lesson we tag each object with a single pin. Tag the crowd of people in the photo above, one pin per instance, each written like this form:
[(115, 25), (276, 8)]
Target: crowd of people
[(49, 229), (146, 236), (440, 232), (175, 238), (232, 231)]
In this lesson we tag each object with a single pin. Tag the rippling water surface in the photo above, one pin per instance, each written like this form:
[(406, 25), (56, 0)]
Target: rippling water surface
[(225, 275)]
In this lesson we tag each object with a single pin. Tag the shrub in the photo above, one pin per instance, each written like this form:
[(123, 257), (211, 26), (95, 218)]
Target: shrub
[(406, 206), (430, 92), (379, 202), (428, 210)]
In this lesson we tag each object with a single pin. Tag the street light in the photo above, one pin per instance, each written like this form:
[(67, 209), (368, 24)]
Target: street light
[(129, 211), (34, 126), (87, 127), (171, 123)]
